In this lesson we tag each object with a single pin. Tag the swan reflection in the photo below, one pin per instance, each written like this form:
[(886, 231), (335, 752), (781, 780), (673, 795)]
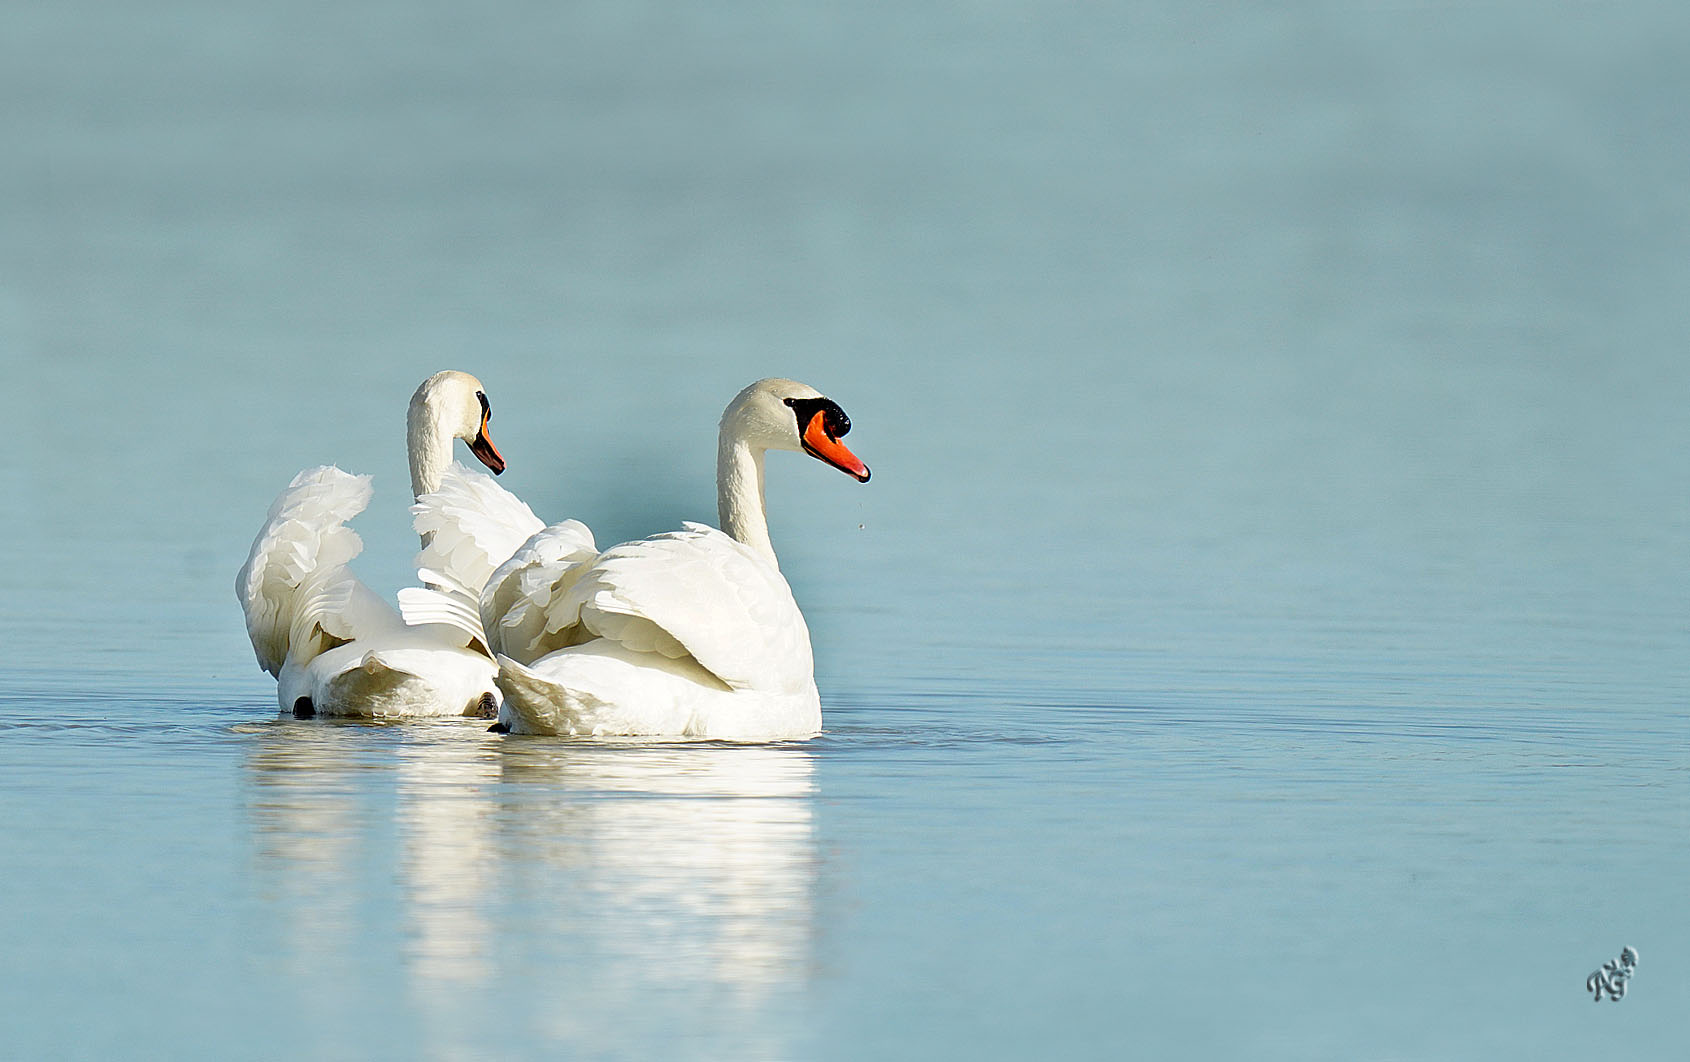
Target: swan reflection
[(583, 883), (698, 861), (448, 865), (310, 807)]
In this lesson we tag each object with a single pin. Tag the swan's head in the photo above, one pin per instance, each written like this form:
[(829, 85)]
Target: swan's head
[(778, 414), (454, 405)]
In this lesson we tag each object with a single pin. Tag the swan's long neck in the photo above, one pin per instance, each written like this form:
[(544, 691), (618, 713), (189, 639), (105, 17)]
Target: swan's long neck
[(739, 493), (429, 446)]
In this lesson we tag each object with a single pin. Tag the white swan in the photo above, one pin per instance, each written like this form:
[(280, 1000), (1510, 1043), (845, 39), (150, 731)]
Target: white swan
[(693, 633), (334, 646)]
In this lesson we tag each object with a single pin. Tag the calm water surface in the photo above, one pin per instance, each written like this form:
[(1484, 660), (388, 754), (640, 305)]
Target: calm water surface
[(1265, 634)]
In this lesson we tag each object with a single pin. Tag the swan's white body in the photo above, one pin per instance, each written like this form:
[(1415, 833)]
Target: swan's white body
[(335, 647), (690, 634)]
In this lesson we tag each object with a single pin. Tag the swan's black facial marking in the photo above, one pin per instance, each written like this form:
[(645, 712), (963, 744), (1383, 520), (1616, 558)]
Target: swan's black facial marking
[(481, 446), (834, 421), (820, 424)]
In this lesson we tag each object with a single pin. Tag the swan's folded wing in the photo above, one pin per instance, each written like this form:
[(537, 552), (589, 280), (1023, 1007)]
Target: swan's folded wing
[(295, 577), (699, 592), (525, 605)]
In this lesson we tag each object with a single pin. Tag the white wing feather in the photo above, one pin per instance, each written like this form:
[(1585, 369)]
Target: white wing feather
[(697, 593), (294, 586), (521, 603), (470, 525), (445, 613)]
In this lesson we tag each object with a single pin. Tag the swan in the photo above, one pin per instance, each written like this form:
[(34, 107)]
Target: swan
[(692, 633), (334, 646)]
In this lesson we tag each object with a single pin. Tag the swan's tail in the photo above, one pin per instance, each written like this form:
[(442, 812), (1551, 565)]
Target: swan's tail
[(294, 582)]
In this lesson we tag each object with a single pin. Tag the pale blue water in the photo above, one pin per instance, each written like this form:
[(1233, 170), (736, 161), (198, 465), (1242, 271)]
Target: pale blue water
[(1266, 635)]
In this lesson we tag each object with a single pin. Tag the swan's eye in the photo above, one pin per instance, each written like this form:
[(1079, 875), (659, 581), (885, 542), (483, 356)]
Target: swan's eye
[(835, 421), (486, 410)]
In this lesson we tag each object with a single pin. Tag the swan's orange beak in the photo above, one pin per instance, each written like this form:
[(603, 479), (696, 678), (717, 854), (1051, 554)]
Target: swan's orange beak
[(822, 446), (484, 450)]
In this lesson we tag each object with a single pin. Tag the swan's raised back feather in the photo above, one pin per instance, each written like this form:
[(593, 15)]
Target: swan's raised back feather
[(298, 558), (469, 526), (448, 615), (524, 601)]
